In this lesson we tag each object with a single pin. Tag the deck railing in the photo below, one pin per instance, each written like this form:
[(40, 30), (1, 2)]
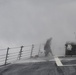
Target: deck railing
[(9, 55)]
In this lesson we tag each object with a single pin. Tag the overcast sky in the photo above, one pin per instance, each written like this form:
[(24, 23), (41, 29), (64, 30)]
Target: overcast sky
[(24, 22)]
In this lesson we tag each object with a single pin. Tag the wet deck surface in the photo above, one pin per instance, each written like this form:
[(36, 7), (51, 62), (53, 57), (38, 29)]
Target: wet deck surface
[(40, 68)]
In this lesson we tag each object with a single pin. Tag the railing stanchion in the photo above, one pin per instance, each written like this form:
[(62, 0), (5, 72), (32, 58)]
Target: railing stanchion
[(6, 55), (39, 49), (20, 53), (32, 50)]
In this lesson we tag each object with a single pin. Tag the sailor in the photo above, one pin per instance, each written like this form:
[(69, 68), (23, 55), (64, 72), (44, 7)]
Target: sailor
[(47, 47)]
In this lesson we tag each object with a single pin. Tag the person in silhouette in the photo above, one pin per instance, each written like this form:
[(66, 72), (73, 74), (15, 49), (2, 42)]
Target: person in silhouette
[(47, 47)]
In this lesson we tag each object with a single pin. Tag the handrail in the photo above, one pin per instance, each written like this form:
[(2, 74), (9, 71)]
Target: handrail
[(2, 54), (13, 53), (23, 51)]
